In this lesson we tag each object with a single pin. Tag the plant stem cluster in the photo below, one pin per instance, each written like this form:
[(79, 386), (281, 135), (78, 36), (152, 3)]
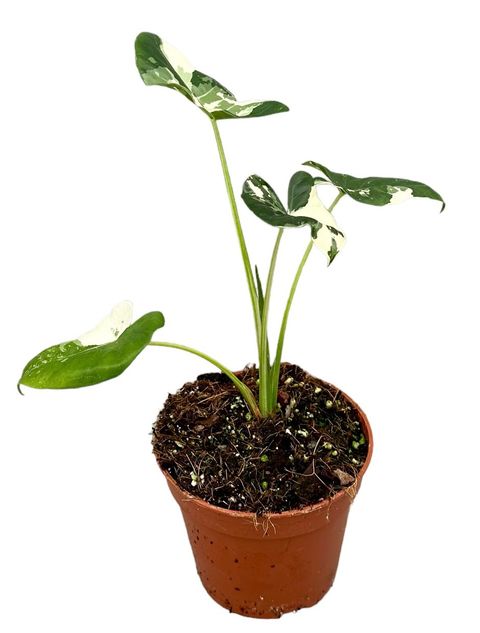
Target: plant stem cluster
[(268, 369)]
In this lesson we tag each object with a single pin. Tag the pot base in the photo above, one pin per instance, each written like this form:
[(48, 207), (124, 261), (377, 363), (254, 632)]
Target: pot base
[(263, 569), (273, 612)]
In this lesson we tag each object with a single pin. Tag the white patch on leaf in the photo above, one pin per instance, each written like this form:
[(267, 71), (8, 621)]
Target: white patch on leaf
[(399, 194), (162, 75), (257, 191), (244, 109), (211, 106), (224, 103), (325, 237), (110, 328), (178, 60), (219, 101)]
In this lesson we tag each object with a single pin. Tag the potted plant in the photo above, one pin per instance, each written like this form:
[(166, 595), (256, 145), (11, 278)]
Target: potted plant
[(264, 462)]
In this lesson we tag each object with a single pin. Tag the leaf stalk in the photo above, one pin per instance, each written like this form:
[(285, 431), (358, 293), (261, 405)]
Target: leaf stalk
[(241, 386)]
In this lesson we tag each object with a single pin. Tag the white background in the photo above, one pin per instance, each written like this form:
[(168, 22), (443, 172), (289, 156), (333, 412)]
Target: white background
[(112, 190)]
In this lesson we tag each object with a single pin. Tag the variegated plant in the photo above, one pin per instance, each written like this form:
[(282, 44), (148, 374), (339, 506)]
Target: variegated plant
[(108, 350)]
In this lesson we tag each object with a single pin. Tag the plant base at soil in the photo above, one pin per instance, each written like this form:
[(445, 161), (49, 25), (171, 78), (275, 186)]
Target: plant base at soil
[(210, 444)]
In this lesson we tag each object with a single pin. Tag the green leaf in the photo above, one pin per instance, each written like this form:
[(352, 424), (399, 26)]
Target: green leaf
[(378, 191), (160, 64), (262, 200), (299, 189), (76, 364), (305, 208)]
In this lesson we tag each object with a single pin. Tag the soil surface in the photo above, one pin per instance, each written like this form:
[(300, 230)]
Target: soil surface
[(206, 438)]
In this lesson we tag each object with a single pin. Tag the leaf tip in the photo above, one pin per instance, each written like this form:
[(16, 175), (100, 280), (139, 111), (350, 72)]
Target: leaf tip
[(145, 35), (157, 320), (333, 252)]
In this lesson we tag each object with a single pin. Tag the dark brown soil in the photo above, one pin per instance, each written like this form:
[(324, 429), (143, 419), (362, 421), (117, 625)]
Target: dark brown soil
[(208, 441)]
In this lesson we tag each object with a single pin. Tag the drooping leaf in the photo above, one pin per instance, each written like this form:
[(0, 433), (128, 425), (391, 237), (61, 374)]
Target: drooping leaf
[(80, 362), (262, 200), (305, 208), (160, 64), (328, 238), (378, 191)]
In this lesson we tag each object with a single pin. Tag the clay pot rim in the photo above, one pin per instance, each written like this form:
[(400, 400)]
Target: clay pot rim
[(323, 504)]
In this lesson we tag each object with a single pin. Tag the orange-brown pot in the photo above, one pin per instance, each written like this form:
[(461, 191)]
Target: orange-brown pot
[(265, 567)]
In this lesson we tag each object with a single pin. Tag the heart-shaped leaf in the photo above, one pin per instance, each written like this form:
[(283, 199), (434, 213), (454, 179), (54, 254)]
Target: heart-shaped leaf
[(84, 362), (378, 191), (304, 208), (160, 64)]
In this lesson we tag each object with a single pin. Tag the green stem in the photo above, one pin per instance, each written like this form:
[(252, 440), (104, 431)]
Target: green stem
[(336, 200), (264, 369), (242, 387), (241, 238), (283, 327), (275, 376)]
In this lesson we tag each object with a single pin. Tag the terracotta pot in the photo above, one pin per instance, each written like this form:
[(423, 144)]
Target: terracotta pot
[(270, 566)]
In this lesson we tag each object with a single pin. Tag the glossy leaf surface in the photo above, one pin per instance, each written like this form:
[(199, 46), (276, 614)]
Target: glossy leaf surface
[(74, 364)]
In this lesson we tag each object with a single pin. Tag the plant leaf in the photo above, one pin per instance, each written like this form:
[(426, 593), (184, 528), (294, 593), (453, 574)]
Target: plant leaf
[(160, 64), (299, 189), (305, 208), (328, 238), (262, 200), (110, 328), (378, 191), (75, 364)]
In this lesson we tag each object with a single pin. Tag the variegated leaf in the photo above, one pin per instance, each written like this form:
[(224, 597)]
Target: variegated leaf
[(304, 208), (160, 64), (110, 328), (99, 355), (262, 200), (378, 191), (304, 202)]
